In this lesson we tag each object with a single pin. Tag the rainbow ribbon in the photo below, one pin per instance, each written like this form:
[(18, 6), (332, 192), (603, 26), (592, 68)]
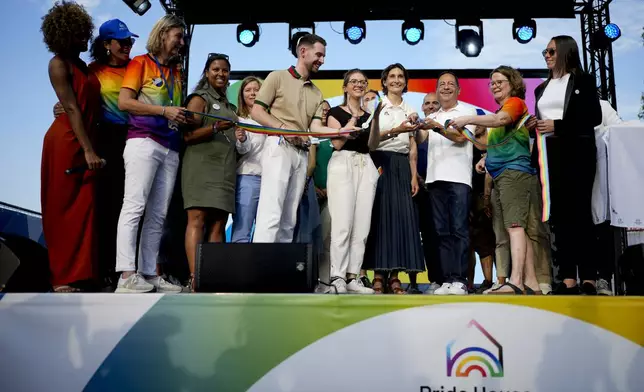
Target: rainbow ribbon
[(268, 130), (544, 175), (472, 138)]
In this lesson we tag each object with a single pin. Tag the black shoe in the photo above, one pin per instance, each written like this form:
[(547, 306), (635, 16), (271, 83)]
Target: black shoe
[(588, 289), (413, 289), (365, 281), (562, 289), (484, 286)]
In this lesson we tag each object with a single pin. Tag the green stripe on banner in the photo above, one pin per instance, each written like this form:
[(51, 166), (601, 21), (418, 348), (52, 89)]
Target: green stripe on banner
[(225, 342)]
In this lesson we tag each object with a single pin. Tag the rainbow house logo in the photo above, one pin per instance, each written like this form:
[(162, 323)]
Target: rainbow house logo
[(466, 359)]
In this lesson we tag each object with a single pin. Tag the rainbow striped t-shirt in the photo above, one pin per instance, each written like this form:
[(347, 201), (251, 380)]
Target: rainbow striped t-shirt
[(515, 154), (144, 77), (111, 79)]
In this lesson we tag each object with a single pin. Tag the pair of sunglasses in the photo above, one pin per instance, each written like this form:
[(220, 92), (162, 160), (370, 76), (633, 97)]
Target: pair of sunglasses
[(126, 41), (549, 51), (219, 55)]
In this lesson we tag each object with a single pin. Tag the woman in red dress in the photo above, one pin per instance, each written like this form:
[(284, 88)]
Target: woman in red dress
[(67, 200)]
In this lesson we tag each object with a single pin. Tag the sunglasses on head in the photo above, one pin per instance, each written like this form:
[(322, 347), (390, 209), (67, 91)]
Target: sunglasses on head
[(220, 55), (549, 51)]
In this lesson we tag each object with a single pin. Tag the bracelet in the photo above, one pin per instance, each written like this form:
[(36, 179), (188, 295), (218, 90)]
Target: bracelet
[(163, 111)]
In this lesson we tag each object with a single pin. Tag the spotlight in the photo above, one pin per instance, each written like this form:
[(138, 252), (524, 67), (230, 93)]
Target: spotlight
[(140, 7), (524, 31), (604, 37), (355, 32), (248, 34), (294, 38), (469, 41), (413, 31), (612, 31)]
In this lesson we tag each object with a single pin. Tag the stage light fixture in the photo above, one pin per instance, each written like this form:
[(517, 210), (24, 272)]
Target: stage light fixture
[(293, 38), (612, 31), (140, 7), (523, 31), (413, 31), (468, 41), (355, 32), (248, 34)]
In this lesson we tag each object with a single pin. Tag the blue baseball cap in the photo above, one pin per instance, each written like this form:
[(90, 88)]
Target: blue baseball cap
[(115, 29)]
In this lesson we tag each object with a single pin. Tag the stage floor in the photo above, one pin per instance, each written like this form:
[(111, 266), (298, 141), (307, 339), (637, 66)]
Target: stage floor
[(263, 342)]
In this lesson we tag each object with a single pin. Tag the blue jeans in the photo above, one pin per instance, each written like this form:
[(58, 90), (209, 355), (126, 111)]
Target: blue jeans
[(246, 201), (450, 206)]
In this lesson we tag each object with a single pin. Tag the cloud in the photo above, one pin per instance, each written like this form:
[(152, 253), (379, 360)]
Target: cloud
[(628, 16)]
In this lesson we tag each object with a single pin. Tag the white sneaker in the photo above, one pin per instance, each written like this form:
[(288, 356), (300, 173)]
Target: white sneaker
[(432, 288), (545, 288), (163, 286), (455, 288), (443, 290), (357, 287), (340, 286), (135, 283), (603, 287)]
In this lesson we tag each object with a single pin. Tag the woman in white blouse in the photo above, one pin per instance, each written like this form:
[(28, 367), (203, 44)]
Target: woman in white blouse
[(568, 110), (249, 168), (394, 240)]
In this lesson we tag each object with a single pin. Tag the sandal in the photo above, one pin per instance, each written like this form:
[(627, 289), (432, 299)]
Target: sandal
[(395, 286), (378, 286), (517, 291), (529, 291), (66, 289)]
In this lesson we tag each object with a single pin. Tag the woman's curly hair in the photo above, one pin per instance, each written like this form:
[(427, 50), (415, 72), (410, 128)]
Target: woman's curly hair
[(65, 25)]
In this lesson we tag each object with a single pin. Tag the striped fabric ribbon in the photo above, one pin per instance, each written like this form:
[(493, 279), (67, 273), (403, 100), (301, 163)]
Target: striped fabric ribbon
[(472, 138), (544, 174), (268, 130)]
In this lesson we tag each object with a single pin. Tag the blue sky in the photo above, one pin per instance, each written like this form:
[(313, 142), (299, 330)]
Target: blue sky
[(29, 97)]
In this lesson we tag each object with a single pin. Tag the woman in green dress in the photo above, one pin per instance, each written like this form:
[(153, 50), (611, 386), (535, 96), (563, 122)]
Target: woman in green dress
[(208, 173)]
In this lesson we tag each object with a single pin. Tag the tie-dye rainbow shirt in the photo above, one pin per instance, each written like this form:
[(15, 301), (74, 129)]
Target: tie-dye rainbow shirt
[(111, 79), (515, 154), (144, 77)]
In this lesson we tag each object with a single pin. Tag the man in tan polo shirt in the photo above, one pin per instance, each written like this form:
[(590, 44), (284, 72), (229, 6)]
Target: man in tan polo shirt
[(288, 100)]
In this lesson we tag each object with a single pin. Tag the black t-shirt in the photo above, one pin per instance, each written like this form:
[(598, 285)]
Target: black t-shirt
[(361, 142)]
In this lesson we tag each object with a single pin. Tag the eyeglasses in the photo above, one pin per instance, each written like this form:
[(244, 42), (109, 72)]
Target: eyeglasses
[(495, 83), (358, 82), (220, 55), (549, 51)]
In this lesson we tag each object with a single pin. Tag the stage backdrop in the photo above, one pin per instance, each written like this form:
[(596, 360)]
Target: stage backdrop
[(474, 92)]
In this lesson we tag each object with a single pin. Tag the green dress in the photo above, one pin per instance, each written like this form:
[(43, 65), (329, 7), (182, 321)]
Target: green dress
[(208, 173)]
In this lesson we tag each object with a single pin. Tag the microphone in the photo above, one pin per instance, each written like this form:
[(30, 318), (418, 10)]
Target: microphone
[(82, 168)]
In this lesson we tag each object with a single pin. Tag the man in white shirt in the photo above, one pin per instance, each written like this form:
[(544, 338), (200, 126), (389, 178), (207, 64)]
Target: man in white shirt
[(449, 181), (601, 201)]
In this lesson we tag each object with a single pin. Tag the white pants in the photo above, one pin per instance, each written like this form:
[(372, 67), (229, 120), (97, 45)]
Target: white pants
[(150, 173), (283, 179), (351, 188)]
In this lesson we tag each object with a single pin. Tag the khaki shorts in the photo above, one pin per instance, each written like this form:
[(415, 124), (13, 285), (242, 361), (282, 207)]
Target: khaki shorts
[(517, 191)]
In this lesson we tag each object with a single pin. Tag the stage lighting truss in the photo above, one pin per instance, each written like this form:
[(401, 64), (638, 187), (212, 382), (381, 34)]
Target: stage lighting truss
[(140, 7), (413, 31), (248, 34), (469, 42), (523, 31), (294, 37), (605, 36), (355, 31)]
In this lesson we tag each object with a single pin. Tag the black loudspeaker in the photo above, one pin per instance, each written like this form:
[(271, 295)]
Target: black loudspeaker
[(24, 265), (255, 268)]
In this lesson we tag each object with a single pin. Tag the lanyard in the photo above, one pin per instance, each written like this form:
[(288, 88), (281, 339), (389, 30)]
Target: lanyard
[(169, 86)]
